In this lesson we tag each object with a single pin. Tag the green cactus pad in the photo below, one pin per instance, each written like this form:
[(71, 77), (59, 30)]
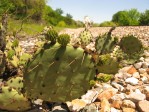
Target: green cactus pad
[(11, 100), (104, 77), (15, 43), (51, 36), (107, 65), (16, 83), (58, 73), (85, 37), (63, 39), (130, 44), (10, 54), (105, 44)]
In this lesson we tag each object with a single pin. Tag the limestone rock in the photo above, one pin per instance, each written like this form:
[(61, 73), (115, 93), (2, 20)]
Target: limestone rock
[(128, 104), (132, 81), (135, 97), (143, 106), (105, 105)]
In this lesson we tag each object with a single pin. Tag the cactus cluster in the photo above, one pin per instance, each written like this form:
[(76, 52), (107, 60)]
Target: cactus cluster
[(11, 97), (85, 37), (51, 35), (130, 45), (58, 73), (63, 39), (107, 64), (106, 43)]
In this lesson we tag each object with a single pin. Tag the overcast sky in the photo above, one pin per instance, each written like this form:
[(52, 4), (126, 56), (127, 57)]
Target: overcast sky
[(97, 10)]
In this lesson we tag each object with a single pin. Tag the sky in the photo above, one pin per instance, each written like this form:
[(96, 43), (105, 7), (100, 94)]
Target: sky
[(98, 10)]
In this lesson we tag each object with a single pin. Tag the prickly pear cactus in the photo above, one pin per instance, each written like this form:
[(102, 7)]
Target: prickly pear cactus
[(2, 62), (11, 100), (51, 36), (63, 39), (106, 43), (85, 37), (58, 73), (107, 65), (16, 83), (130, 45), (15, 43), (10, 54)]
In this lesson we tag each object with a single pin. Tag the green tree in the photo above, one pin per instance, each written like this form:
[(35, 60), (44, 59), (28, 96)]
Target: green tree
[(134, 16), (107, 23), (144, 18), (126, 18), (59, 11), (121, 18), (6, 6), (69, 15)]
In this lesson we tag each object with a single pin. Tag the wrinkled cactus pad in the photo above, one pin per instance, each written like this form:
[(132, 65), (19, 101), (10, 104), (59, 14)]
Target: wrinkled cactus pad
[(58, 73)]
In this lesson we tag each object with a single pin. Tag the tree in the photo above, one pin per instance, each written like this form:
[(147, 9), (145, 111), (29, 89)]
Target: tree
[(134, 16), (107, 23), (144, 18), (59, 11), (121, 18), (126, 18), (69, 15)]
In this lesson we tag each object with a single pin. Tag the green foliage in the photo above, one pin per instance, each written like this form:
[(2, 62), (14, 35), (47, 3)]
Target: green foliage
[(59, 11), (144, 18), (104, 77), (63, 39), (58, 73), (106, 43), (10, 54), (68, 15), (107, 23), (51, 35), (15, 43), (61, 24), (11, 100), (85, 37), (5, 6), (92, 83), (107, 65), (126, 18)]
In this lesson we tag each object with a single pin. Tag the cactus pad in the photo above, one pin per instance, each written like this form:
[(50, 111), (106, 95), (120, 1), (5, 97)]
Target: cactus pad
[(107, 65), (130, 44), (16, 83), (10, 53), (85, 37), (105, 44), (58, 73), (63, 39), (51, 36), (11, 100)]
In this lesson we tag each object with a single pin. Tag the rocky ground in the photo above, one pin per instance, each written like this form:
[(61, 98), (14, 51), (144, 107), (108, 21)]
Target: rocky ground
[(128, 92)]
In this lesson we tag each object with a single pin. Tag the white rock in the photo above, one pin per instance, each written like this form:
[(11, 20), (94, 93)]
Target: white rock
[(119, 75), (124, 69), (147, 60), (118, 86), (136, 75), (146, 53), (145, 65), (138, 91), (142, 59), (138, 65), (144, 79), (129, 104), (135, 97), (90, 96), (120, 96), (113, 110), (142, 70), (38, 102), (132, 81), (106, 86)]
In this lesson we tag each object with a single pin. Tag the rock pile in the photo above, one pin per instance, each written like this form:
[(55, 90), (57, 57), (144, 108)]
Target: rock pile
[(128, 92)]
